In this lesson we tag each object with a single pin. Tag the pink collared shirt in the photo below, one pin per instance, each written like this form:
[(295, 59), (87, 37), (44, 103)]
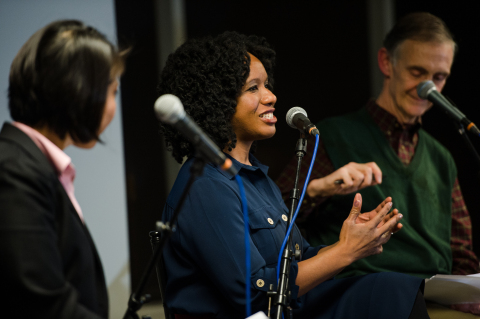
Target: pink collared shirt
[(60, 161)]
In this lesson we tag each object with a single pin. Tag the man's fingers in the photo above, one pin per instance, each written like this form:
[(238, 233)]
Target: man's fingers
[(367, 177), (376, 171), (358, 177), (345, 176), (357, 206)]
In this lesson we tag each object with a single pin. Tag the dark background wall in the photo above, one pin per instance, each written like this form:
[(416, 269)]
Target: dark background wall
[(143, 159), (322, 66)]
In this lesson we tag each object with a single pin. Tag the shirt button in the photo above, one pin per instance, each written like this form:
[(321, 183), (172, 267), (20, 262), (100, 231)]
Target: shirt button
[(260, 283), (284, 217), (270, 221), (297, 246)]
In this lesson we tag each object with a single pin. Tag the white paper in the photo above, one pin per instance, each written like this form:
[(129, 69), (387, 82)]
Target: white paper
[(452, 289), (258, 315)]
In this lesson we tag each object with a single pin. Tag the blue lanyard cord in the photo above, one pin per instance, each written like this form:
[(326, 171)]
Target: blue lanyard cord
[(243, 198), (298, 207)]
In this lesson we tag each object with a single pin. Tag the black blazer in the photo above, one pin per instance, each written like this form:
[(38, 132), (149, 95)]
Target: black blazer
[(49, 267)]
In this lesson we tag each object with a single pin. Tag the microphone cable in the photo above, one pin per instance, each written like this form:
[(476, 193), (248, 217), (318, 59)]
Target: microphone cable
[(243, 198), (292, 222)]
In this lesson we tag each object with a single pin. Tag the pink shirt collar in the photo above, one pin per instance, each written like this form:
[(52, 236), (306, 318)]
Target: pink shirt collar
[(60, 161), (54, 154)]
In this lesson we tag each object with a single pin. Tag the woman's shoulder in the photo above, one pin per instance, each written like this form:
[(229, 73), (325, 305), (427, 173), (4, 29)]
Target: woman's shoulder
[(211, 181), (19, 163)]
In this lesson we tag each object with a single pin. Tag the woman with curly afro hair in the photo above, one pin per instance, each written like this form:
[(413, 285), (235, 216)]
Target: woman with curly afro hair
[(225, 85), (207, 76)]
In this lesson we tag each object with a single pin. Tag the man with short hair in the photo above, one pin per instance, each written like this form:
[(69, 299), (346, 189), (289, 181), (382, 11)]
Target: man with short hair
[(399, 159)]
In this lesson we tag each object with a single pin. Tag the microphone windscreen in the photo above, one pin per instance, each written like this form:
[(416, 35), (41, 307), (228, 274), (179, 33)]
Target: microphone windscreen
[(169, 109), (292, 112), (424, 88)]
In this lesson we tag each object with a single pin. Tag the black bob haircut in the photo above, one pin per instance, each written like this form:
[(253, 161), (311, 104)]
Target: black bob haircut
[(60, 77), (207, 75)]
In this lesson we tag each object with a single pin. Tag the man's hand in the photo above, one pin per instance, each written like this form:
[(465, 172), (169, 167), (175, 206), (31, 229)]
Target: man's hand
[(354, 176)]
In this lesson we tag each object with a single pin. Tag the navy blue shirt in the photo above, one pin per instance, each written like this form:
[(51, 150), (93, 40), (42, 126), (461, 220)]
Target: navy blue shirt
[(205, 258)]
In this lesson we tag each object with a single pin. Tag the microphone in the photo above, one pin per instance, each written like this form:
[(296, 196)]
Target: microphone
[(297, 118), (427, 90), (169, 109)]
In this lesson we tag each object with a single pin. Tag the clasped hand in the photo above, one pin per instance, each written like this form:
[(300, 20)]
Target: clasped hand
[(355, 176), (364, 234)]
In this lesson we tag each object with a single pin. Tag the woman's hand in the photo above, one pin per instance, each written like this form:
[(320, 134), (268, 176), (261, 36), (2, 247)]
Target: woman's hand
[(365, 217), (366, 237), (362, 235), (355, 176)]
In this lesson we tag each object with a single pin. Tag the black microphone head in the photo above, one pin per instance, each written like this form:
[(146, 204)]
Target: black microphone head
[(292, 112), (424, 89), (169, 109)]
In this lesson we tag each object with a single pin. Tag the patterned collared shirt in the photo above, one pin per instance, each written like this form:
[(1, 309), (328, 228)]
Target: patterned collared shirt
[(403, 139)]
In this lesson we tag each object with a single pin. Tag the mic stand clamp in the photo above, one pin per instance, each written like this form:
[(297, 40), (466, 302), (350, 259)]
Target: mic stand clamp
[(468, 142), (137, 300), (283, 296)]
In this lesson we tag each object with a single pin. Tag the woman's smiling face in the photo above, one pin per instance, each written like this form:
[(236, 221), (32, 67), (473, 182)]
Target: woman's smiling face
[(253, 119)]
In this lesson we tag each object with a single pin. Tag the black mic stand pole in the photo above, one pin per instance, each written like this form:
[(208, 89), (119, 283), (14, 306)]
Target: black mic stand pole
[(461, 130), (282, 297), (136, 300), (468, 142)]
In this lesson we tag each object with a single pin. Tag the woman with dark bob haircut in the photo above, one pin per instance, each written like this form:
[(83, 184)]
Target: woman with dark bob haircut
[(61, 92), (225, 84)]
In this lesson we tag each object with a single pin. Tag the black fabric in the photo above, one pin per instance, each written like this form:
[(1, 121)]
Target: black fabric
[(49, 267), (419, 310)]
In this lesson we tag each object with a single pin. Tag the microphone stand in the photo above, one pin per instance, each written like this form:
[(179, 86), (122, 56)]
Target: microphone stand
[(461, 130), (136, 300), (468, 142), (282, 296)]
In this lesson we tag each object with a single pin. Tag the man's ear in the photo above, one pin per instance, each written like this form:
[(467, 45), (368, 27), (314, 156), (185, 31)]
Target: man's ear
[(385, 62)]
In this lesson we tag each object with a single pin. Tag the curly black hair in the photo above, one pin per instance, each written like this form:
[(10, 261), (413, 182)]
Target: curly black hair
[(207, 75)]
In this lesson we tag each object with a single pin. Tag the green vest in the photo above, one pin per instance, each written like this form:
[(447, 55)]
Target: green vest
[(421, 191)]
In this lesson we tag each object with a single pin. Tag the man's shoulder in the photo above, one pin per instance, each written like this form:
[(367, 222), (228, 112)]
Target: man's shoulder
[(350, 125), (433, 145), (348, 117)]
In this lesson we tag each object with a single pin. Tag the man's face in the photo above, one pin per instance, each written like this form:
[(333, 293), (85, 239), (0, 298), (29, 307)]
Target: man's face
[(413, 63)]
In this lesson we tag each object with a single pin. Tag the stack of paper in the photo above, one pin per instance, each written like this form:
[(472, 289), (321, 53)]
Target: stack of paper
[(451, 289)]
